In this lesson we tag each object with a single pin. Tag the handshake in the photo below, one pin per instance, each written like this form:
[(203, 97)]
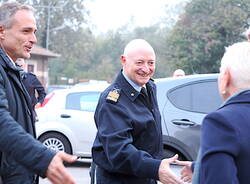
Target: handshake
[(57, 173), (166, 176)]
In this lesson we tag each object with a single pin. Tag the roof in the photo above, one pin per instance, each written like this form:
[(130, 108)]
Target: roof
[(40, 51)]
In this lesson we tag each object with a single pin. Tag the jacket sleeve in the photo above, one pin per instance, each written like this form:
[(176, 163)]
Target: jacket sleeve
[(123, 157), (39, 88), (19, 144), (219, 146)]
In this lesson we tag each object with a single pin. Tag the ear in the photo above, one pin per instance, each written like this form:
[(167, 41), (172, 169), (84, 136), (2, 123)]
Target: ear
[(123, 60), (227, 78), (225, 83), (2, 31)]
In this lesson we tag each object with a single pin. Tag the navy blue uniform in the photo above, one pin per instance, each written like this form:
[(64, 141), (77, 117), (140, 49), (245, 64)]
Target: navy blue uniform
[(33, 85), (128, 145), (225, 144)]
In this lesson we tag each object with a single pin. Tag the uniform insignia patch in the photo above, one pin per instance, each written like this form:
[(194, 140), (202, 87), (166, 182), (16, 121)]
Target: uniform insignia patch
[(113, 95)]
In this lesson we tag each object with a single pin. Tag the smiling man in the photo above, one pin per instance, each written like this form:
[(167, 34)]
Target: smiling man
[(128, 145), (21, 156)]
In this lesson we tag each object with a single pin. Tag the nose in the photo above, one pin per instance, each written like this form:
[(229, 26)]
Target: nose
[(146, 67), (33, 38)]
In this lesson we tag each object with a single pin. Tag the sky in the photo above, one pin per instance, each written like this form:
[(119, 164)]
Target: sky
[(112, 14)]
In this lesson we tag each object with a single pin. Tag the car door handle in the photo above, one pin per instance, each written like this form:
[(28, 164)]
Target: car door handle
[(65, 116), (183, 122)]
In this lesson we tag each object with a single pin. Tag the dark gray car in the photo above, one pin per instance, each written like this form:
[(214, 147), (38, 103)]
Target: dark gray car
[(183, 103)]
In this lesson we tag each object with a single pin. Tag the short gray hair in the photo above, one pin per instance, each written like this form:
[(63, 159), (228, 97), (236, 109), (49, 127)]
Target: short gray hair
[(8, 10), (237, 60)]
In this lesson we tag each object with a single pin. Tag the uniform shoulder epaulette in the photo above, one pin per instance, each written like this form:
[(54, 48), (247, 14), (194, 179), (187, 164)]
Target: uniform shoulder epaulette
[(113, 95)]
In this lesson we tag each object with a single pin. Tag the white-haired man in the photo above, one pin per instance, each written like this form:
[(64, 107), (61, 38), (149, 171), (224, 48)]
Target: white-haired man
[(224, 152)]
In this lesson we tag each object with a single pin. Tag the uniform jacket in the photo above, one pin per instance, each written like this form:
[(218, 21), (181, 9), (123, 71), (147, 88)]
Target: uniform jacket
[(20, 153), (225, 143), (33, 85), (128, 145)]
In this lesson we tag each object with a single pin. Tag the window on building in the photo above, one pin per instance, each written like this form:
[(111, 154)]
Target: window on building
[(30, 68)]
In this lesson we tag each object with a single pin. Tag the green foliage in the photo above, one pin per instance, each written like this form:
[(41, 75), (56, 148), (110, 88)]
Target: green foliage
[(57, 15), (196, 43), (76, 49)]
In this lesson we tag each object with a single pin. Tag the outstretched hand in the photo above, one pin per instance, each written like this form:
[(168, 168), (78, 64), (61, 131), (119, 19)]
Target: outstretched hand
[(167, 176), (57, 172), (186, 171)]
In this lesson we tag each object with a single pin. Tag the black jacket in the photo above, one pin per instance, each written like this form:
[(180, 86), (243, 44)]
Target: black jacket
[(128, 145), (33, 85), (20, 154)]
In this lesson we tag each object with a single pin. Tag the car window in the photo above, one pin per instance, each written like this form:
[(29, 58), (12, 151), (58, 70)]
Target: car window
[(84, 101), (202, 96)]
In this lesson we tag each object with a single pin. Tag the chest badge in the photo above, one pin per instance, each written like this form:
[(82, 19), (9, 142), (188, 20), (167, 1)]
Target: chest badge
[(113, 95)]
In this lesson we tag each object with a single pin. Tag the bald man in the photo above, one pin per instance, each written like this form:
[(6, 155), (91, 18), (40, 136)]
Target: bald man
[(178, 73), (128, 145)]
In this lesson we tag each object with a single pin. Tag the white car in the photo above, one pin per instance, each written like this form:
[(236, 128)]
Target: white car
[(66, 119)]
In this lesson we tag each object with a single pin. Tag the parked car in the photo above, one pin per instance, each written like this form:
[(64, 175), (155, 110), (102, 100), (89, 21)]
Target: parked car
[(183, 103), (66, 119), (51, 88)]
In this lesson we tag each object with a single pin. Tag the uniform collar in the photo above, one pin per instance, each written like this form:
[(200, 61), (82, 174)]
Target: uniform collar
[(127, 88), (132, 83)]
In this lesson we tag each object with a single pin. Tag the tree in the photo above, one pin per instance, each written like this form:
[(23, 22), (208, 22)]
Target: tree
[(55, 15), (105, 60), (62, 28), (198, 40)]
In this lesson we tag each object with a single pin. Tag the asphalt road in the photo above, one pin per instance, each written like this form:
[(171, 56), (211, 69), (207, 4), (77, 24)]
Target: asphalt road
[(80, 171)]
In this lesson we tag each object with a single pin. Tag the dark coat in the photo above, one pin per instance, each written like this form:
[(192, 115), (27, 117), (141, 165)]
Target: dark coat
[(128, 145), (225, 143), (33, 85), (20, 154)]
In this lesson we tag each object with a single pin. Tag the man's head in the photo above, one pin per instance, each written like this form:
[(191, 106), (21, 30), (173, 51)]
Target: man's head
[(178, 73), (235, 69), (17, 30), (138, 61)]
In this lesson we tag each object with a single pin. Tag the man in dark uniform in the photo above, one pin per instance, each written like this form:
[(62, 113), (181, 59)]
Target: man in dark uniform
[(21, 156), (128, 145), (32, 85)]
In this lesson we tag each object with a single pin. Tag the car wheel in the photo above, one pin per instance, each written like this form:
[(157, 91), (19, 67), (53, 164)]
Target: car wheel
[(167, 153), (56, 142)]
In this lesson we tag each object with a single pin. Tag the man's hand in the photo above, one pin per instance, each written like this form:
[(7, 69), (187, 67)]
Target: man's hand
[(186, 171), (166, 176), (56, 171)]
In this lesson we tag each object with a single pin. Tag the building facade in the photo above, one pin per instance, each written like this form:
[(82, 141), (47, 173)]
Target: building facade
[(38, 63)]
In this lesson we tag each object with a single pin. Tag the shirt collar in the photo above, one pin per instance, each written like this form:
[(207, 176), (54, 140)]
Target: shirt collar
[(132, 83), (14, 64)]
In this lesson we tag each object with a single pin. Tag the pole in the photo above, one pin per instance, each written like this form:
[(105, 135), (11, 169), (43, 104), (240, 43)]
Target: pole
[(48, 28)]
